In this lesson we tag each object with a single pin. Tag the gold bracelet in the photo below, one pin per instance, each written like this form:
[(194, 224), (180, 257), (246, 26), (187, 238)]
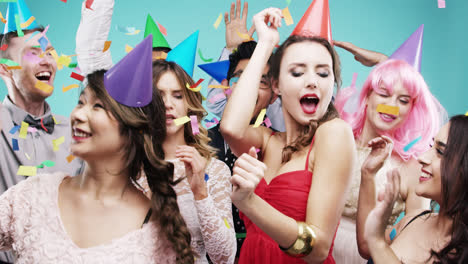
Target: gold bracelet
[(304, 243)]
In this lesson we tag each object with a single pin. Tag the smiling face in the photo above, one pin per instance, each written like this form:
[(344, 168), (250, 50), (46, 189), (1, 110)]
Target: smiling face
[(430, 181), (265, 93), (174, 101), (306, 81), (95, 131), (36, 65), (399, 97)]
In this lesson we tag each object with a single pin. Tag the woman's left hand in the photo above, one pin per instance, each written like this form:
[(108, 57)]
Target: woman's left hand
[(376, 222), (381, 147), (195, 166)]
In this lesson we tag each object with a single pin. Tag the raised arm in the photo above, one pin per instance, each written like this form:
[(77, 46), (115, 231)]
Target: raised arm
[(91, 36), (326, 197), (365, 57), (235, 124)]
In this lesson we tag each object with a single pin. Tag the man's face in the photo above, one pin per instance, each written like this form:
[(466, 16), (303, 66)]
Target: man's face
[(265, 93), (36, 65)]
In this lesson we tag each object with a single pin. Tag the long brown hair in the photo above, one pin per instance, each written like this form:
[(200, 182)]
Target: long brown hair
[(454, 203), (194, 104), (309, 130), (144, 130)]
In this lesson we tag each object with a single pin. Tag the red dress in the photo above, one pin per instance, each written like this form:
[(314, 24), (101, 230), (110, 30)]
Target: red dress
[(287, 193)]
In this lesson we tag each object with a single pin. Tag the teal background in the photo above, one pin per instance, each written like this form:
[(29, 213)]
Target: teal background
[(380, 25)]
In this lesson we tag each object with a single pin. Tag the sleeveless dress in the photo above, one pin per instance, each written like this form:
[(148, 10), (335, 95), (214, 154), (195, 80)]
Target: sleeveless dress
[(346, 249), (287, 193)]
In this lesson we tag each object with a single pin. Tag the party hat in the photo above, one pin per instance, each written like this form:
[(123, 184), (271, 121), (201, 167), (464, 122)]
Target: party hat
[(315, 21), (130, 81), (158, 39), (184, 53), (411, 50), (21, 9), (218, 70)]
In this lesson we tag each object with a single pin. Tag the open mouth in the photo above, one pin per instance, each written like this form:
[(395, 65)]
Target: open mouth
[(170, 119), (79, 134), (387, 117), (43, 76), (425, 176), (309, 103)]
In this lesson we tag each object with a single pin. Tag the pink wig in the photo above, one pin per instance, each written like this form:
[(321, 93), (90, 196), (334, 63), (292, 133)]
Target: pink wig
[(424, 119)]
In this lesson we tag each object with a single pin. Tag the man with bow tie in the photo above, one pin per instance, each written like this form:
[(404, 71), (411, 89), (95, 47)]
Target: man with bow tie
[(25, 106)]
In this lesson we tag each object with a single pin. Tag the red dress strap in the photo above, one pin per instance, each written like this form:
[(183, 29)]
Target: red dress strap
[(308, 154)]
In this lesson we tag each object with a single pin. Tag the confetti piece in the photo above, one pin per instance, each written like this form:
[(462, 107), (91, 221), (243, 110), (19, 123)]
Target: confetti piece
[(2, 19), (197, 83), (411, 144), (8, 62), (466, 113), (44, 87), (64, 1), (162, 29), (267, 122), (288, 2), (107, 45), (43, 42), (32, 35), (77, 76), (218, 21), (228, 92), (202, 58), (402, 214), (27, 156), (181, 120), (14, 67), (387, 109), (257, 150), (4, 47), (241, 235), (64, 60), (194, 124), (126, 29), (48, 163), (234, 80), (133, 33), (89, 3), (287, 16), (207, 177), (194, 89), (441, 3), (69, 87), (28, 22), (14, 129), (14, 143), (244, 36), (128, 48), (55, 120), (217, 97), (32, 129), (23, 130), (18, 26), (32, 58), (393, 234), (56, 142), (70, 158), (27, 171), (260, 117), (226, 223), (218, 86), (73, 65)]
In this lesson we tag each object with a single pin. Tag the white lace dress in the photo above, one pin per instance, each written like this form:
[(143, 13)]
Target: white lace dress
[(209, 220), (345, 248), (31, 226)]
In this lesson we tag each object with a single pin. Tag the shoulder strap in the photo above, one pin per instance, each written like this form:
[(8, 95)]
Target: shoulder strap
[(308, 154), (147, 217), (414, 218)]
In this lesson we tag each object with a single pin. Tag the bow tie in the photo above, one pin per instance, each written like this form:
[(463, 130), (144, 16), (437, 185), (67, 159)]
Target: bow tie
[(47, 123)]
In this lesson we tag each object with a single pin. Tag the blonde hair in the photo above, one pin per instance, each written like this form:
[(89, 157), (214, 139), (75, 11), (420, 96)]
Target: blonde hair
[(194, 104)]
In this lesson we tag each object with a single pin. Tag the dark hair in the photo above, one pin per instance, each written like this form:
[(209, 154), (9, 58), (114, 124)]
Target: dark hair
[(243, 52), (6, 38), (454, 203), (145, 130), (193, 100), (164, 49), (308, 131)]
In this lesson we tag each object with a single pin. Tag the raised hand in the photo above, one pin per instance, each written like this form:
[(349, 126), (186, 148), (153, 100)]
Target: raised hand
[(236, 25), (381, 149), (194, 169), (365, 57), (266, 24), (247, 173), (376, 222)]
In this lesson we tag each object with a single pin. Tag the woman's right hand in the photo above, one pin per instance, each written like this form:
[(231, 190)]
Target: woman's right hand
[(266, 24), (246, 174), (381, 149)]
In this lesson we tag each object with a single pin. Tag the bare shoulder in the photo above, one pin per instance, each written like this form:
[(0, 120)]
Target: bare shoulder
[(334, 130)]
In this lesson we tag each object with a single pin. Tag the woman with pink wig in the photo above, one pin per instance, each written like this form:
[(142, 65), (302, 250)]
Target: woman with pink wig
[(391, 84)]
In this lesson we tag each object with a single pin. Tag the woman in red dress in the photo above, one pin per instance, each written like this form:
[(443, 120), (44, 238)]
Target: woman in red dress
[(291, 217)]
